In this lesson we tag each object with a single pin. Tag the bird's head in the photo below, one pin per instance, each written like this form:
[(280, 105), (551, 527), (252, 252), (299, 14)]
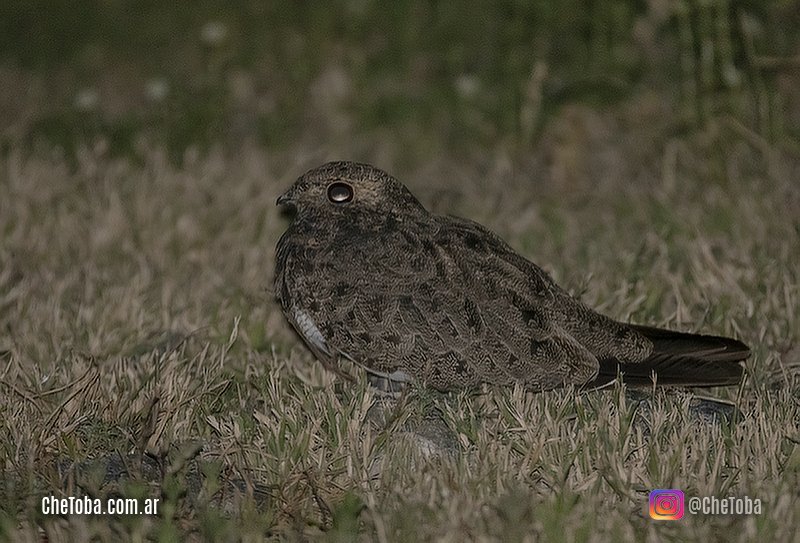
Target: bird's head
[(349, 188)]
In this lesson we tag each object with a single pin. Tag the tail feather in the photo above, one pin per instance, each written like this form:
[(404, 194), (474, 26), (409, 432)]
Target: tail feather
[(682, 359)]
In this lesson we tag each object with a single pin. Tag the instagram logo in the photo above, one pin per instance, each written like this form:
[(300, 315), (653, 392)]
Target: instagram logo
[(666, 504)]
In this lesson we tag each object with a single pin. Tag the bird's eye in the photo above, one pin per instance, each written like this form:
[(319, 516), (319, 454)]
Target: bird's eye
[(339, 192)]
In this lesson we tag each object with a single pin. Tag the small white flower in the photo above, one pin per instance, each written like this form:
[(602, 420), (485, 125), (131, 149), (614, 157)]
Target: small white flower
[(86, 99), (214, 32), (467, 85), (156, 89)]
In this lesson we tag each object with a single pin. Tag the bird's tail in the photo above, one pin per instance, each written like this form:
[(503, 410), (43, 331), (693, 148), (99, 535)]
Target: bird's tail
[(680, 359)]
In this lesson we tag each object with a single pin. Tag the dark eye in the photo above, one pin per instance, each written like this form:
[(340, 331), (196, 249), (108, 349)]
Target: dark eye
[(339, 192)]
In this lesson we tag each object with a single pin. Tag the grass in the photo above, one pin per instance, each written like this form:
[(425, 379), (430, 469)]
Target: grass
[(138, 327), (123, 285)]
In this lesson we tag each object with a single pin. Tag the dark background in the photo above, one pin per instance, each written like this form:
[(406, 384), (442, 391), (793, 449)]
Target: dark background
[(424, 77)]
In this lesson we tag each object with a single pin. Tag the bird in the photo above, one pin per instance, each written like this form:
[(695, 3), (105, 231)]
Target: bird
[(365, 274)]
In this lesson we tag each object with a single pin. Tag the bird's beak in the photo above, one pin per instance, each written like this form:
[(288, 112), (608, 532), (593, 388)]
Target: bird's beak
[(285, 199)]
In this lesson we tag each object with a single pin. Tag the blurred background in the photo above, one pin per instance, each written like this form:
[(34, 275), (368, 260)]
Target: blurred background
[(401, 83)]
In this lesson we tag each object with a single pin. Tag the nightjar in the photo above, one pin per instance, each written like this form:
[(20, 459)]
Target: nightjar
[(365, 273)]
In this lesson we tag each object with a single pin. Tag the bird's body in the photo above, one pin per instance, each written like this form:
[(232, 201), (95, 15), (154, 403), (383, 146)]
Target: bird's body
[(366, 273)]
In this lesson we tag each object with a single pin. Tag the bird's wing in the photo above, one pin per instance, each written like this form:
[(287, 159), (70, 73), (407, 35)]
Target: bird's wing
[(449, 303)]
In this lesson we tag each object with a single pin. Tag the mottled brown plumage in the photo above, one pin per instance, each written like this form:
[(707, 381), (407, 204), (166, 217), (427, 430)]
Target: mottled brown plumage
[(366, 273)]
